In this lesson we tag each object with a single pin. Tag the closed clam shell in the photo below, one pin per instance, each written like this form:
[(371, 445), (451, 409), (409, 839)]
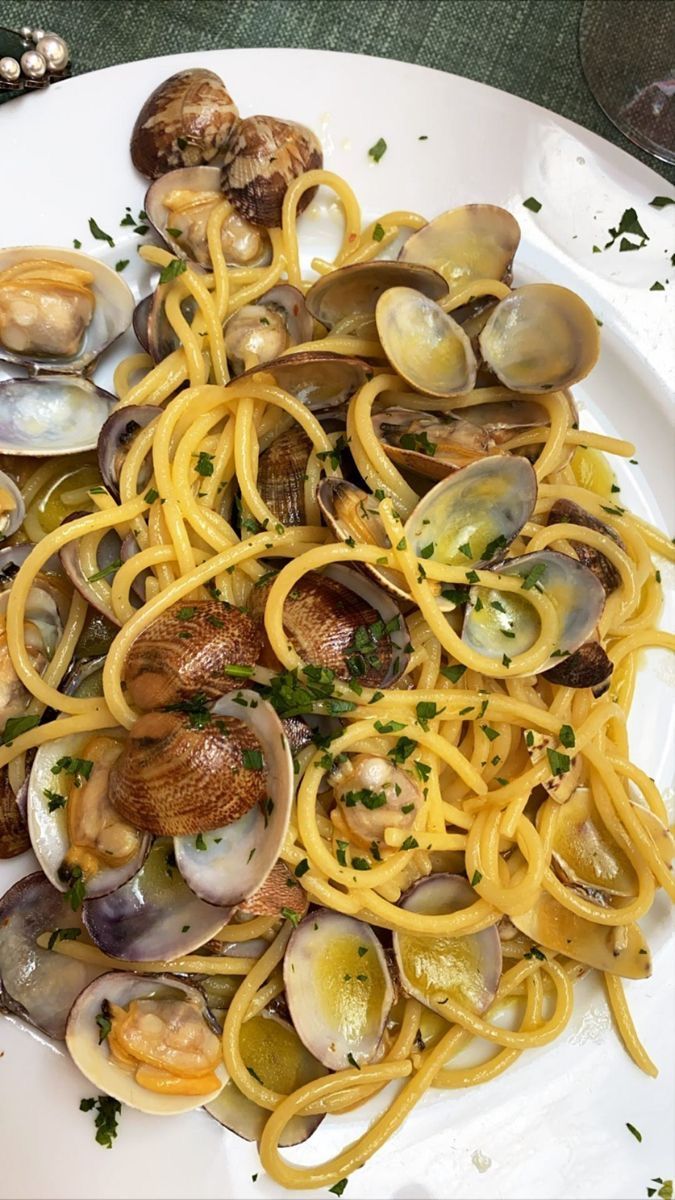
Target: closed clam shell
[(281, 476), (263, 157), (186, 651), (280, 890), (175, 777), (569, 513), (185, 121)]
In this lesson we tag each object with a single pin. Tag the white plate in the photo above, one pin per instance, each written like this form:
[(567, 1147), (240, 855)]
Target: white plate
[(554, 1125)]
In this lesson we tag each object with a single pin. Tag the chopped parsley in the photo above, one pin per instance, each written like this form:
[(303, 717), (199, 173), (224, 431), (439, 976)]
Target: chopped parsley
[(352, 1061), (465, 549), (106, 571), (63, 935), (389, 726), (422, 770), (122, 264), (367, 797), (106, 1118), (77, 243), (533, 204), (657, 287), (628, 224), (376, 151), (200, 842), (402, 750), (290, 915), (338, 1188), (559, 763), (533, 576), (410, 843), (476, 878), (56, 800), (238, 670), (104, 1022), (535, 952), (635, 1132), (98, 233), (418, 442), (150, 496), (378, 232), (360, 864), (427, 551), (15, 726), (661, 202), (301, 869), (204, 464), (81, 768), (427, 711), (334, 455), (172, 270), (454, 672), (567, 738), (490, 733)]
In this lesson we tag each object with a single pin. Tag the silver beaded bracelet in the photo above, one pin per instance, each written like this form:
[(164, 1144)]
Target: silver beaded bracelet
[(31, 58)]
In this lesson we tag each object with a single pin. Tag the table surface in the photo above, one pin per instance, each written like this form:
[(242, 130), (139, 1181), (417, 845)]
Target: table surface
[(527, 47)]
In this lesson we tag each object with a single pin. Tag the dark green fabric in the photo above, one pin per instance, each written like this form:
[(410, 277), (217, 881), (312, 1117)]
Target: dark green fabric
[(528, 47)]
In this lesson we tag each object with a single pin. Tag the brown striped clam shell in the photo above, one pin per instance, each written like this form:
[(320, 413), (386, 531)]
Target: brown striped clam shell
[(175, 778), (264, 156), (589, 666), (280, 890), (186, 651), (567, 512), (14, 837), (281, 476), (186, 121)]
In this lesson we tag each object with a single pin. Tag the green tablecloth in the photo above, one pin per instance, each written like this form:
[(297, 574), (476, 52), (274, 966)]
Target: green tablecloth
[(528, 47)]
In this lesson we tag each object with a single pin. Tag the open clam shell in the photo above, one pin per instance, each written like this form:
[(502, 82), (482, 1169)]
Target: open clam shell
[(107, 562), (424, 344), (588, 667), (261, 332), (567, 512), (465, 970), (14, 837), (586, 856), (50, 828), (185, 230), (85, 677), (470, 517), (274, 1054), (434, 446), (36, 984), (12, 507), (338, 988), (93, 1055), (352, 513), (230, 863), (51, 414), (474, 241), (115, 439), (355, 290), (154, 916), (112, 310), (619, 950), (513, 626), (318, 378), (539, 338)]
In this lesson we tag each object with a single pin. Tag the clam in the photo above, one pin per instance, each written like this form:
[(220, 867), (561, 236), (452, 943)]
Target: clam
[(115, 439), (179, 205), (342, 622), (374, 795), (282, 471), (586, 856), (161, 1053), (274, 1054), (338, 988), (197, 649), (36, 984), (51, 414), (262, 158), (434, 446), (158, 336), (469, 518), (506, 623), (12, 507), (154, 916), (107, 562), (563, 783), (475, 241), (318, 378), (14, 837), (424, 344), (233, 859), (619, 950), (43, 624), (355, 290), (589, 666), (352, 513), (539, 338), (76, 834), (465, 970), (85, 677), (187, 120), (59, 309), (280, 891), (567, 512), (258, 333)]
